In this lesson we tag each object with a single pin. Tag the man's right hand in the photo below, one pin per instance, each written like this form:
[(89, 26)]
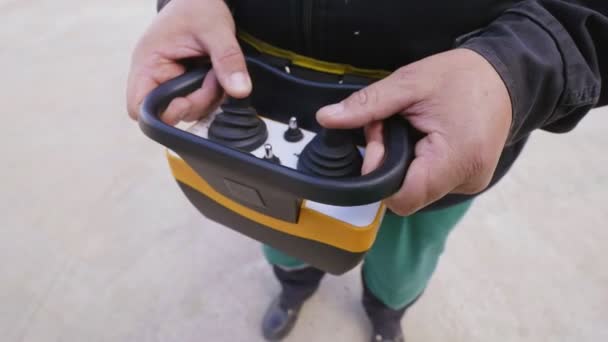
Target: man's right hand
[(186, 29)]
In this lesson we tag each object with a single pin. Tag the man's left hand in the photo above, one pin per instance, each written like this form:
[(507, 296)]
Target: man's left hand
[(458, 100)]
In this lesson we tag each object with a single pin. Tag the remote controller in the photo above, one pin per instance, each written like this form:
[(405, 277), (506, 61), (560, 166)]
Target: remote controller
[(297, 189)]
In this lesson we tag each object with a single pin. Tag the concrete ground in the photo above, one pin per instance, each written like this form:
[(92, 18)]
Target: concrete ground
[(98, 244)]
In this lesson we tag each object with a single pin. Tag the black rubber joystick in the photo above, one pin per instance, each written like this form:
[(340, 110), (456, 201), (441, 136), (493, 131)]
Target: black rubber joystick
[(293, 133), (238, 126), (333, 154)]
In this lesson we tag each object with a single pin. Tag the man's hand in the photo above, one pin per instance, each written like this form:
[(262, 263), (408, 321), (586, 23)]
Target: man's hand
[(458, 101), (185, 29)]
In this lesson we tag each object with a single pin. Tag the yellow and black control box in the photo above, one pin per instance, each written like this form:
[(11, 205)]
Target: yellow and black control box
[(241, 168)]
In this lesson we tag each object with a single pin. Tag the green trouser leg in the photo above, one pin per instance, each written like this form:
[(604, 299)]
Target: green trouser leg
[(284, 261), (404, 256)]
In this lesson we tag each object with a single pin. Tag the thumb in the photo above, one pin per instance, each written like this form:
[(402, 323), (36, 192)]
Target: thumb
[(431, 175), (228, 62), (375, 102)]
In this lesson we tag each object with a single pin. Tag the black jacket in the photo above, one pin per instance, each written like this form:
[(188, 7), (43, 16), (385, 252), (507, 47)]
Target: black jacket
[(551, 54)]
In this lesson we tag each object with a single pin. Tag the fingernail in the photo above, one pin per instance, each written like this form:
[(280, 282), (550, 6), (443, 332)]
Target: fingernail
[(332, 110), (240, 82)]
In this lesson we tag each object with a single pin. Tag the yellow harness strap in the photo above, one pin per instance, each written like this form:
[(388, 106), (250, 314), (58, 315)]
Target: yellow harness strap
[(310, 63)]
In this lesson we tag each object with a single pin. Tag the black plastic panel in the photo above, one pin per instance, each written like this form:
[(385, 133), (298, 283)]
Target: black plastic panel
[(325, 257), (268, 200)]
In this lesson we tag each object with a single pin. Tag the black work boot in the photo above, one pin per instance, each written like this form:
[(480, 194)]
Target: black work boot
[(296, 287), (386, 322)]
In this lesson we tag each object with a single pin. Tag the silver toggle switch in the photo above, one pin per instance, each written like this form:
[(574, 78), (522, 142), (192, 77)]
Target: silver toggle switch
[(293, 123), (268, 154), (293, 132)]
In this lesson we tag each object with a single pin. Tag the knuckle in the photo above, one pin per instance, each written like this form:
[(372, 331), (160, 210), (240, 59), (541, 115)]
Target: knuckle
[(365, 98), (477, 174), (411, 79), (362, 96), (408, 80), (405, 75), (476, 164)]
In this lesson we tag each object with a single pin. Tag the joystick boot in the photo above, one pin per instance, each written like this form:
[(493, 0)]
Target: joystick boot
[(332, 154), (238, 126)]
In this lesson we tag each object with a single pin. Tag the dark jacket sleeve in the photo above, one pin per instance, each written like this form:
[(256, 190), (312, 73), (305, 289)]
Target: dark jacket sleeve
[(552, 56)]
